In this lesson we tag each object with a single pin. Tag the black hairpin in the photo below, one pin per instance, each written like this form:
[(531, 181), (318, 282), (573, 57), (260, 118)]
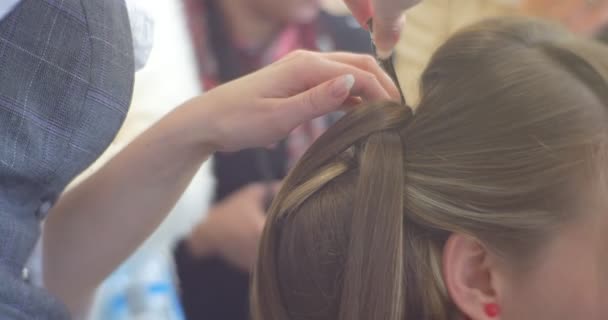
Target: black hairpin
[(388, 64)]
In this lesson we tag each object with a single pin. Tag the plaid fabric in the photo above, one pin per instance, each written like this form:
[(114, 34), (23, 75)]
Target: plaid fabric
[(291, 38), (6, 6), (66, 78)]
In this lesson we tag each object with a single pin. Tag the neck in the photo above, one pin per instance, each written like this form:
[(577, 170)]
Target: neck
[(245, 23)]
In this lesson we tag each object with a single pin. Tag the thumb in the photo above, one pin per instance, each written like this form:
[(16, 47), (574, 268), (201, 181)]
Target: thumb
[(260, 221), (276, 187), (361, 10), (387, 30), (318, 101)]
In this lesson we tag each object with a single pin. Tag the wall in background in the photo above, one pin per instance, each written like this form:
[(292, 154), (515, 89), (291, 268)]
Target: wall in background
[(168, 79)]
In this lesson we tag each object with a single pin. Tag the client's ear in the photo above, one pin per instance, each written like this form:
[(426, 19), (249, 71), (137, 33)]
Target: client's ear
[(471, 276)]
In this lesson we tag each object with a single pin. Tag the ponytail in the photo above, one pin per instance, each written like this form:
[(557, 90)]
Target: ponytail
[(374, 268), (363, 140)]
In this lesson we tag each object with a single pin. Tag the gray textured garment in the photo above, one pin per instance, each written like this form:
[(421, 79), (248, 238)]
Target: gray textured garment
[(6, 6), (142, 27), (66, 79)]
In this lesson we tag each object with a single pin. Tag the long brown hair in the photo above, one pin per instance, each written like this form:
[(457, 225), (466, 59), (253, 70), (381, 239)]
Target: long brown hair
[(510, 128)]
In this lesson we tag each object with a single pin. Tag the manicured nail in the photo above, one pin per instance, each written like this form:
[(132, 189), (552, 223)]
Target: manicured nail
[(390, 38), (383, 54), (342, 86)]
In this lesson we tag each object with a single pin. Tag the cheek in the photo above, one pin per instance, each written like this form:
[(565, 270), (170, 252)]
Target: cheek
[(570, 284)]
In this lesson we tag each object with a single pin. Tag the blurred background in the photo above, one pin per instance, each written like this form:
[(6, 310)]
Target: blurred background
[(197, 264)]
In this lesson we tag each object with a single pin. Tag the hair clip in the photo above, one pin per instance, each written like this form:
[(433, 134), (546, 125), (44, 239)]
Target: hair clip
[(388, 64)]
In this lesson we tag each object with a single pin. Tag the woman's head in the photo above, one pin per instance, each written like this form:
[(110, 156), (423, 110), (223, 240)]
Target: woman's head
[(491, 193)]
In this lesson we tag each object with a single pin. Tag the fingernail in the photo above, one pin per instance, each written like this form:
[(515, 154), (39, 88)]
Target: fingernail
[(341, 86), (383, 54), (389, 38)]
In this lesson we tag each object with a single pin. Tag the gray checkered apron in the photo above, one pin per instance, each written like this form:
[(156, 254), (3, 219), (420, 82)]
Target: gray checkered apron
[(66, 79)]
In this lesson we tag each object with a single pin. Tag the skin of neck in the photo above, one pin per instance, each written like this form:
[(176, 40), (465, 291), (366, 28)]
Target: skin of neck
[(248, 24)]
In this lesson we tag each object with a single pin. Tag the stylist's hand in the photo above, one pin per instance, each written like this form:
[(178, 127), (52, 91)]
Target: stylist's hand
[(233, 228), (263, 107), (388, 20), (586, 17)]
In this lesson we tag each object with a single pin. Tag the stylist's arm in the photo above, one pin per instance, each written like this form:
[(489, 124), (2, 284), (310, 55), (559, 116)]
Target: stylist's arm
[(99, 223), (388, 20)]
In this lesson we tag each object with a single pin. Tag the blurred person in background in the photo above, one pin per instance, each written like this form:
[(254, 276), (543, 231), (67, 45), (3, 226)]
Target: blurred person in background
[(66, 86), (433, 21), (232, 38)]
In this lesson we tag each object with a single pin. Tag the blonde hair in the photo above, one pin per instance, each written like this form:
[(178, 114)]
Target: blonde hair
[(509, 133)]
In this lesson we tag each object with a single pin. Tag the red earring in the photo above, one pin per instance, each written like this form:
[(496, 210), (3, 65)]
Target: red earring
[(492, 310)]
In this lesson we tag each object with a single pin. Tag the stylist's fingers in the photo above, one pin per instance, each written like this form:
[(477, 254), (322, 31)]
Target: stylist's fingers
[(316, 68), (568, 13), (325, 98), (320, 100), (276, 187), (389, 19), (361, 9), (367, 86), (600, 18), (368, 63), (386, 32), (592, 19)]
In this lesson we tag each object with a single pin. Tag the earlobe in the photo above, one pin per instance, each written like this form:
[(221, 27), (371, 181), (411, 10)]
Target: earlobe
[(468, 274), (492, 310)]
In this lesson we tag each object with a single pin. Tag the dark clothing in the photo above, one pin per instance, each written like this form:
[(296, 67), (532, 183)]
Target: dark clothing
[(211, 288)]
